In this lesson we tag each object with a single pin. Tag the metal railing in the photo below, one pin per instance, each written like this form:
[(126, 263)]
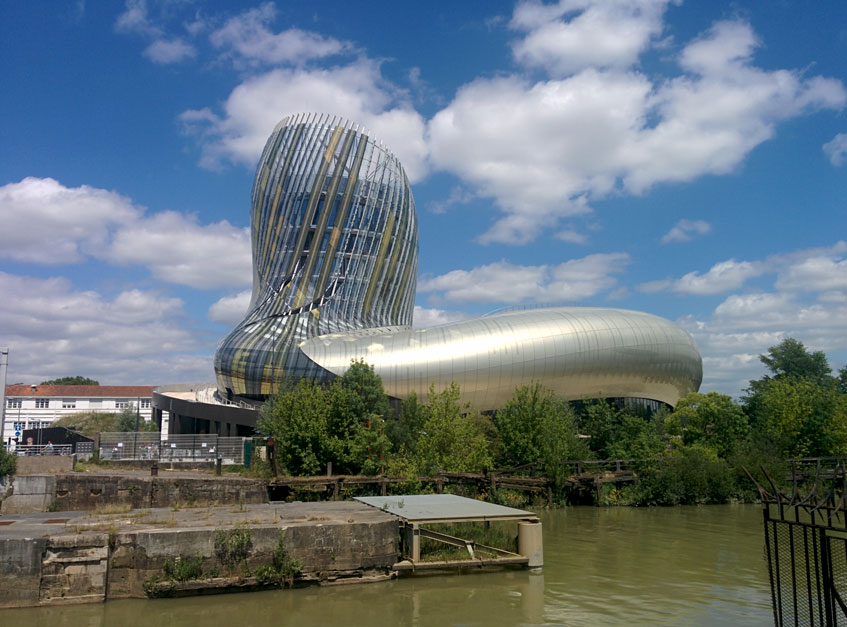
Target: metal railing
[(171, 448), (26, 450)]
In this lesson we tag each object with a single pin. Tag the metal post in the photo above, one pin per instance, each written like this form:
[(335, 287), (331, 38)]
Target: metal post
[(135, 437), (4, 361)]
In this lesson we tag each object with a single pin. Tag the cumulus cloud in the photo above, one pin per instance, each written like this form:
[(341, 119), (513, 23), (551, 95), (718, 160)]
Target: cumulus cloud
[(572, 35), (246, 38), (165, 51), (177, 249), (544, 150), (76, 221), (54, 329), (162, 49), (836, 149), (85, 222), (230, 310), (503, 282), (355, 92), (425, 317), (684, 230)]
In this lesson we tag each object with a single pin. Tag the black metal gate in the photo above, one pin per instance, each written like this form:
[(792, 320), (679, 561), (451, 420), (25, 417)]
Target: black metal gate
[(806, 545)]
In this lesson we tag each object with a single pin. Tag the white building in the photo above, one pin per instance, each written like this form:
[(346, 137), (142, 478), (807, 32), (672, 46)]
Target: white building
[(37, 406)]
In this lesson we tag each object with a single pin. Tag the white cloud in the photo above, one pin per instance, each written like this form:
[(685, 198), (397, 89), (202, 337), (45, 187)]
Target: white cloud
[(545, 150), (721, 277), (135, 19), (682, 231), (53, 329), (177, 249), (836, 149), (815, 273), (424, 317), (46, 222), (571, 236), (503, 282), (575, 34), (246, 38), (230, 309), (165, 51), (355, 92)]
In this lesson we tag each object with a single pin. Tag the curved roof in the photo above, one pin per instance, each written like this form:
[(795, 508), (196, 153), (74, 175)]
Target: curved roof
[(578, 352)]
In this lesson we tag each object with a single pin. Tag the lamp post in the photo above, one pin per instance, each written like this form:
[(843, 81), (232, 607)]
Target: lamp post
[(4, 361)]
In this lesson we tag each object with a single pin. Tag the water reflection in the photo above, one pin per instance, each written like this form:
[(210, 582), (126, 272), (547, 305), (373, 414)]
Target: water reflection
[(669, 566)]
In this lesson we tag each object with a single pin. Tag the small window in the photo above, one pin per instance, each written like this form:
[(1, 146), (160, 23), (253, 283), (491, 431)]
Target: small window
[(42, 403), (66, 404), (13, 403), (145, 403), (122, 404)]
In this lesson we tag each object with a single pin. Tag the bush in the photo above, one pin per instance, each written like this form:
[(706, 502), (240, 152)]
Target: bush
[(8, 463)]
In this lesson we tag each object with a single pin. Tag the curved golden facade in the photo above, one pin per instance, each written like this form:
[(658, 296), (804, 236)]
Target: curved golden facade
[(578, 352), (335, 255)]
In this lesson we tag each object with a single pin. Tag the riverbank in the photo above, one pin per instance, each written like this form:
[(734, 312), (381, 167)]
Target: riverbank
[(86, 557)]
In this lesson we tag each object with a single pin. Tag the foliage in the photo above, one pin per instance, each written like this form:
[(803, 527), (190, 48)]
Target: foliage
[(287, 566), (90, 423), (710, 419), (520, 423), (791, 360), (368, 397), (8, 462), (77, 380), (183, 568), (232, 546), (451, 441), (404, 430)]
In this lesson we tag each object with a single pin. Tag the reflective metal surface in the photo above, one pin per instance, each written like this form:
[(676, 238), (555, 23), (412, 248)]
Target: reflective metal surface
[(577, 352), (335, 258), (335, 247)]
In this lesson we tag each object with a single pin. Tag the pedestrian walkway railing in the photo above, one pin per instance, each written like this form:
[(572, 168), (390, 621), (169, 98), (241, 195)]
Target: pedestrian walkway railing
[(25, 450), (171, 448)]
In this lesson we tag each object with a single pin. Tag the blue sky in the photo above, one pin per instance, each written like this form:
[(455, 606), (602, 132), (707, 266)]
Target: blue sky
[(687, 159)]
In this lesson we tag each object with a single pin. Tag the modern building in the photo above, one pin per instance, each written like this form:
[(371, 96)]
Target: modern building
[(38, 406), (335, 253)]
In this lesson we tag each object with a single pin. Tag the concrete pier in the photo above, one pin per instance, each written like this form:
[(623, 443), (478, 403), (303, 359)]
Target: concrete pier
[(55, 558)]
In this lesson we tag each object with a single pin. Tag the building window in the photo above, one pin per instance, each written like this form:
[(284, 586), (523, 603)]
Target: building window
[(36, 424), (145, 403), (122, 404), (13, 403), (42, 403), (68, 404)]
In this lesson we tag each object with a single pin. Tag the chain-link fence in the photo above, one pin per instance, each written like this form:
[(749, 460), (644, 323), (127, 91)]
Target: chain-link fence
[(171, 448)]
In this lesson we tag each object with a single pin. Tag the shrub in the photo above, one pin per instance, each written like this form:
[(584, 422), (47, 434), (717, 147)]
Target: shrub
[(8, 463)]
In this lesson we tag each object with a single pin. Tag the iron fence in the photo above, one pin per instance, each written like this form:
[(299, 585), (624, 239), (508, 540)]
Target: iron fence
[(27, 450), (171, 448)]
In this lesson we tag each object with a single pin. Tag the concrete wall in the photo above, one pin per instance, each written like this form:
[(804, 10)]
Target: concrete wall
[(82, 491), (30, 493), (94, 567), (44, 464)]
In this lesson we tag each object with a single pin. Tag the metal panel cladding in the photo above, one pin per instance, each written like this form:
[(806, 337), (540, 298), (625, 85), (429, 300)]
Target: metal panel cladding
[(335, 248), (577, 352)]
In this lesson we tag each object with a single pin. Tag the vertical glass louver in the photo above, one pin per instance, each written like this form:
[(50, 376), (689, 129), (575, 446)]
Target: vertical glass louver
[(335, 249)]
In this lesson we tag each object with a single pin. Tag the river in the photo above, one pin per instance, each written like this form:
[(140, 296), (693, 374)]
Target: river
[(602, 566)]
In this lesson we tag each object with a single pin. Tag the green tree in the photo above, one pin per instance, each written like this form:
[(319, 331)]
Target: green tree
[(559, 442), (450, 441), (298, 422), (77, 380), (523, 420), (711, 419), (404, 430), (791, 359), (366, 386), (804, 418), (8, 463)]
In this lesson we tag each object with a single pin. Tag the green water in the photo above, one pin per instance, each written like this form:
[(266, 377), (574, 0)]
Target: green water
[(617, 566)]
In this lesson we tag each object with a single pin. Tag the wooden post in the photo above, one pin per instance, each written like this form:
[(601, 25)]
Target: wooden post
[(549, 496), (439, 485), (383, 486), (336, 490)]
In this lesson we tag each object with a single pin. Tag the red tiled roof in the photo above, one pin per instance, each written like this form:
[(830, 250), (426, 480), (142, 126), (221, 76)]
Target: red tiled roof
[(70, 391)]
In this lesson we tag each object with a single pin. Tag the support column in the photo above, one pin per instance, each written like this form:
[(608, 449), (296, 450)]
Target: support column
[(530, 543)]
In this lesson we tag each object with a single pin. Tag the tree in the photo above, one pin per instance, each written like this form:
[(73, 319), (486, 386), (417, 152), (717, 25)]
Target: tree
[(366, 386), (450, 442), (77, 380), (790, 359), (522, 421), (711, 419), (404, 430), (804, 418)]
